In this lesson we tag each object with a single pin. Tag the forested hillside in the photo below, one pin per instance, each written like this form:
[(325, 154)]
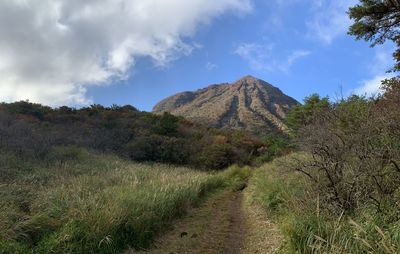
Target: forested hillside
[(38, 132)]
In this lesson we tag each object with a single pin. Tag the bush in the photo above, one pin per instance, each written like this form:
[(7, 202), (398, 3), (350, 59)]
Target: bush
[(238, 177), (354, 155), (218, 156), (275, 145), (63, 154), (307, 227)]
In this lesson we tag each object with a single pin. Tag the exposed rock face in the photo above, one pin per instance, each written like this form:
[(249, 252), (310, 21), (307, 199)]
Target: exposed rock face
[(249, 103)]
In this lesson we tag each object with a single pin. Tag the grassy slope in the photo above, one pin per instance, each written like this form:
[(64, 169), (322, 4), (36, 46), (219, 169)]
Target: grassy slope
[(288, 198), (93, 203)]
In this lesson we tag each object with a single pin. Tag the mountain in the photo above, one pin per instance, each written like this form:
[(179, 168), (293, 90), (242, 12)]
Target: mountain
[(249, 104)]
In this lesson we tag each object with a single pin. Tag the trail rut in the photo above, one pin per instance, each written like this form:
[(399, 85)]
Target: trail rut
[(221, 225)]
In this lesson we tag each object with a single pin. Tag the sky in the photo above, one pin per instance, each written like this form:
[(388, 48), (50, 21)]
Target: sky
[(78, 53)]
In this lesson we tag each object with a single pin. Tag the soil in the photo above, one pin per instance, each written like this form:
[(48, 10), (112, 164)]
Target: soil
[(224, 224)]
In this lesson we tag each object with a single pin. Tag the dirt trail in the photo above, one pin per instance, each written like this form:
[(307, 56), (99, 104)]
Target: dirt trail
[(221, 225), (236, 235)]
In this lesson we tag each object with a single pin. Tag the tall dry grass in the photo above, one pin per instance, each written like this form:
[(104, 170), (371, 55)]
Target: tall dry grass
[(93, 203), (289, 199)]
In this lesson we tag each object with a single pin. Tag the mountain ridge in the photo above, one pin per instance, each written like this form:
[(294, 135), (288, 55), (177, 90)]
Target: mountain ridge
[(248, 104)]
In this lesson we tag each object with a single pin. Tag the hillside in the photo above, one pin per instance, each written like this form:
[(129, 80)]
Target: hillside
[(248, 104), (36, 131)]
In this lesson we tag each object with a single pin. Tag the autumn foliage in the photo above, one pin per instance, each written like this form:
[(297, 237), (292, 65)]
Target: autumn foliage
[(34, 131)]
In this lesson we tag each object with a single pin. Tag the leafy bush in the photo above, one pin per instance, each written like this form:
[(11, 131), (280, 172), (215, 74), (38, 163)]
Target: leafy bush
[(275, 145), (218, 156)]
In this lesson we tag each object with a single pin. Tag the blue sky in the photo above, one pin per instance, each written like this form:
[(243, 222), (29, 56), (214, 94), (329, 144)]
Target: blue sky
[(300, 46)]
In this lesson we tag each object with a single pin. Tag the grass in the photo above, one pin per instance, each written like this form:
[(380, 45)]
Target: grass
[(288, 198), (91, 203), (206, 227), (262, 234)]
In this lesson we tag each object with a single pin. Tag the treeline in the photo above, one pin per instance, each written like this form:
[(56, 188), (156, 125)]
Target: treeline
[(39, 132)]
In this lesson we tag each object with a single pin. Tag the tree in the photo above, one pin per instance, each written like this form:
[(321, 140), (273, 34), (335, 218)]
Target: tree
[(377, 21), (167, 125), (352, 151), (387, 111), (301, 115), (275, 145)]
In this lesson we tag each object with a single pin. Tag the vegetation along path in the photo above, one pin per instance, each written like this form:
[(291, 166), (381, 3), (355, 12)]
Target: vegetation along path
[(226, 223)]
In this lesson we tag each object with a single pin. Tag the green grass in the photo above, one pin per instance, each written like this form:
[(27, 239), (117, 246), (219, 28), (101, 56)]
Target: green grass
[(94, 203), (288, 198)]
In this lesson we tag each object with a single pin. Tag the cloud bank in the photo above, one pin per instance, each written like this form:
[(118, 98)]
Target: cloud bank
[(51, 51)]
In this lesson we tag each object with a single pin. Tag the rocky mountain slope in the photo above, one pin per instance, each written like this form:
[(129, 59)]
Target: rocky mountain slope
[(249, 103)]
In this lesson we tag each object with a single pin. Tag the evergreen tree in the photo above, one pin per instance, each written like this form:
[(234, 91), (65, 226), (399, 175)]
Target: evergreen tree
[(377, 21), (301, 115)]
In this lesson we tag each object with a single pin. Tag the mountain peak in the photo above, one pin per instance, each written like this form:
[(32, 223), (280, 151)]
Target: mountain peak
[(248, 80), (249, 103)]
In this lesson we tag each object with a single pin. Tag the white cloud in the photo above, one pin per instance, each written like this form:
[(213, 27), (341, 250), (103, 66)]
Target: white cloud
[(255, 54), (372, 87), (211, 66), (381, 62), (51, 51), (329, 19), (383, 59), (296, 55), (261, 57)]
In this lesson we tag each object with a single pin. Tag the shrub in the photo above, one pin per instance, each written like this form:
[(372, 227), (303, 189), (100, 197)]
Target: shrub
[(307, 227), (63, 154), (353, 152), (218, 156), (275, 145)]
